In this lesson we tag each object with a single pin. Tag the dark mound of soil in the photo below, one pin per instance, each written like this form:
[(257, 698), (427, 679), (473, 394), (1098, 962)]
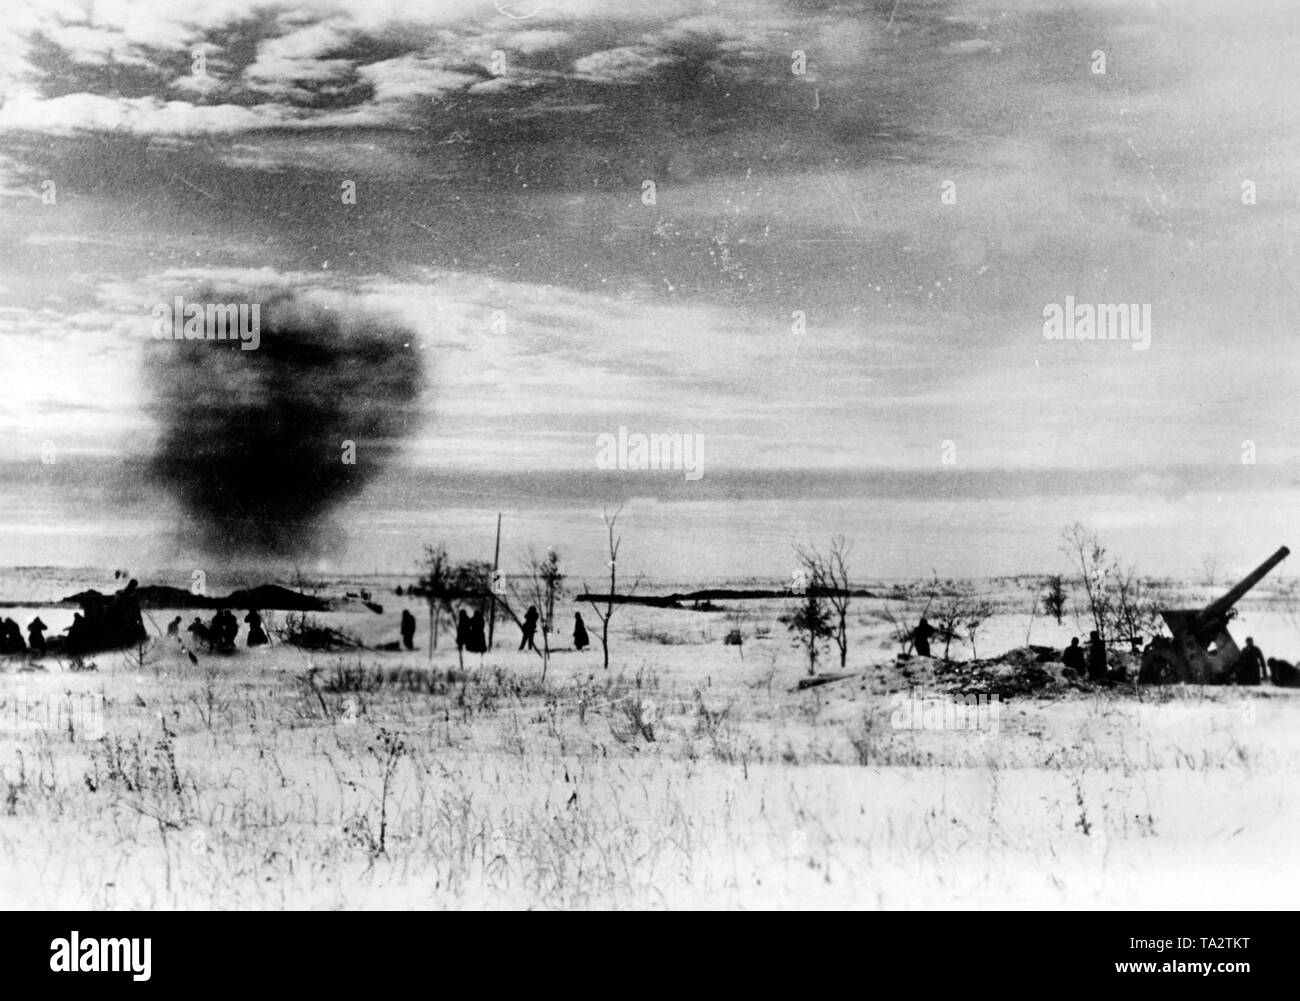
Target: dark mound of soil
[(277, 597)]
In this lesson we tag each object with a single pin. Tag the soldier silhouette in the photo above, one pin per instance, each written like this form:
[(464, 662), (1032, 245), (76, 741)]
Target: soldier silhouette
[(36, 634), (921, 637), (1096, 656), (477, 639), (12, 638), (201, 633), (1251, 666), (76, 640), (408, 629), (529, 628), (225, 627), (1073, 656), (1284, 673), (256, 634)]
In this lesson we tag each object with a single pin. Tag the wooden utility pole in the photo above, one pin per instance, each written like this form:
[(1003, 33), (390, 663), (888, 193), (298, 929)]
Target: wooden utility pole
[(492, 585)]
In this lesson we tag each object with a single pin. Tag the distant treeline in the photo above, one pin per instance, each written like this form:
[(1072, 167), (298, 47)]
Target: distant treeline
[(264, 596), (714, 594)]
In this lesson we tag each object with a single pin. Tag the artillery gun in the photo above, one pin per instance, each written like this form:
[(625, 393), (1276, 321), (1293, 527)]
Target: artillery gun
[(1200, 649)]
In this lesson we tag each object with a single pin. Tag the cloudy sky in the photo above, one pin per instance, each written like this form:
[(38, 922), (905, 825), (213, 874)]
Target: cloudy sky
[(500, 151)]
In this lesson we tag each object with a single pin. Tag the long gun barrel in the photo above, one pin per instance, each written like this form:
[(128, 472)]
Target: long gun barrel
[(1218, 609)]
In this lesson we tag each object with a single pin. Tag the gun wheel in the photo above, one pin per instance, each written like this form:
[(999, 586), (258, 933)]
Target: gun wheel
[(1161, 666)]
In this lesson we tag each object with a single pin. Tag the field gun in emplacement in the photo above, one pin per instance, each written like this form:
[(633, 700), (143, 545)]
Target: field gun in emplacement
[(1200, 649)]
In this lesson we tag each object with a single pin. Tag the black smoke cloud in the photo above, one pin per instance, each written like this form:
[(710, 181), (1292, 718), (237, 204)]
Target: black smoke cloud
[(251, 442)]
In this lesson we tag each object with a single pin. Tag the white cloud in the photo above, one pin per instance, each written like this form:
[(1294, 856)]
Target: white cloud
[(501, 84), (198, 83), (149, 116), (411, 77), (96, 46), (532, 42), (307, 56), (627, 64), (139, 116), (295, 58)]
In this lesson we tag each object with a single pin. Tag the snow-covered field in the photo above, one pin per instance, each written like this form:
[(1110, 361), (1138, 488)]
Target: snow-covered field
[(277, 778)]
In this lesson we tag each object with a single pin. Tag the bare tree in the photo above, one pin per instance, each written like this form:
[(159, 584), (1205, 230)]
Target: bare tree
[(540, 584), (434, 585), (832, 576), (553, 584), (1054, 598), (976, 612), (950, 613), (470, 581), (899, 629), (1121, 604), (607, 612), (1133, 608), (811, 622), (1084, 550)]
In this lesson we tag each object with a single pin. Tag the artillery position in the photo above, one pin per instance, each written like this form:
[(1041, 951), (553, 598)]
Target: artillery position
[(1200, 649)]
